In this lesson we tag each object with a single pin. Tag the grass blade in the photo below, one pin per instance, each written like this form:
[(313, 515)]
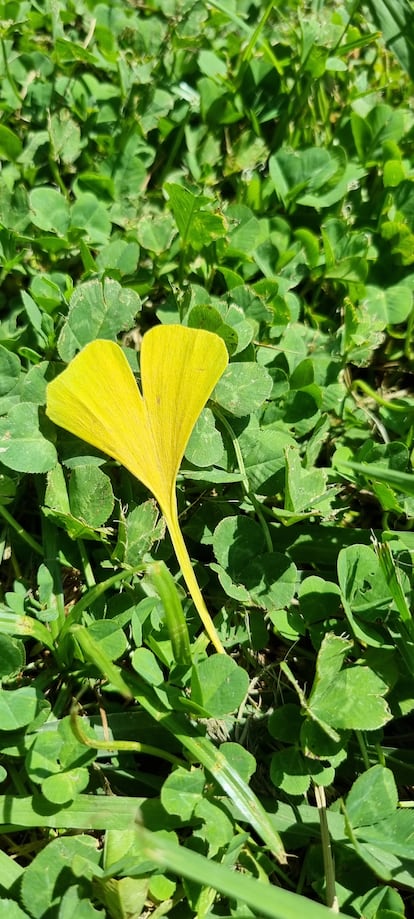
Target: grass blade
[(83, 813), (163, 582), (275, 902), (395, 18), (402, 481)]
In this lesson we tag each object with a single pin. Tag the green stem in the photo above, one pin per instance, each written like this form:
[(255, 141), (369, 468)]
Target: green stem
[(407, 346), (53, 158), (328, 863), (21, 531), (363, 749), (360, 384), (8, 73), (16, 778), (380, 753), (131, 746), (87, 568), (245, 481), (53, 566)]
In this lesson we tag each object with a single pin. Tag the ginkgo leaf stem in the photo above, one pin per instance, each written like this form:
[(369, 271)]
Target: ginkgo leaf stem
[(180, 548)]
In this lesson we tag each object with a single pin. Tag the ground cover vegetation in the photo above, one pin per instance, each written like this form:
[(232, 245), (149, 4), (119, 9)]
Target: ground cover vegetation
[(245, 169)]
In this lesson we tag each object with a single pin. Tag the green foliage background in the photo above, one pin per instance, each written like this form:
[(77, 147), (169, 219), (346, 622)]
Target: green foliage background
[(244, 167)]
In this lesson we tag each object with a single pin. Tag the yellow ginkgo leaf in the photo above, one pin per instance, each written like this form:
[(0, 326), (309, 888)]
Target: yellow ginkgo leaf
[(97, 399)]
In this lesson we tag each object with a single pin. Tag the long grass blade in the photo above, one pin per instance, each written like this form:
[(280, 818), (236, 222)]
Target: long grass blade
[(264, 899)]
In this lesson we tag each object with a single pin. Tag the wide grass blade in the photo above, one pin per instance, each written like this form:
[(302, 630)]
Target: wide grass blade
[(402, 481), (395, 18), (85, 812)]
